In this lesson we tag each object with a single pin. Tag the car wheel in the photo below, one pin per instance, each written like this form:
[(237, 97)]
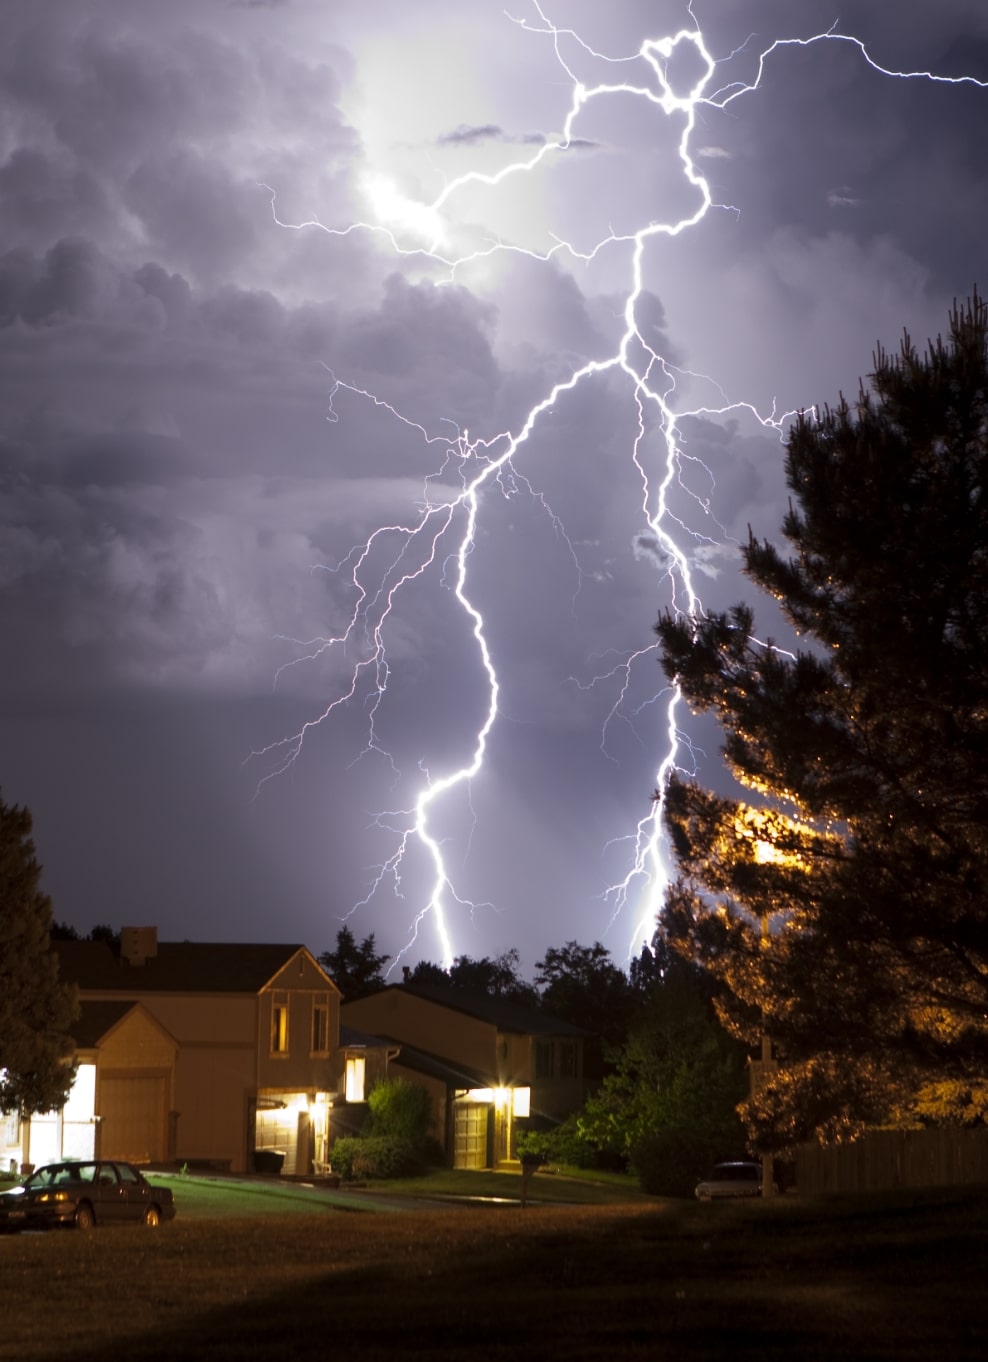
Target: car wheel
[(84, 1218), (152, 1217)]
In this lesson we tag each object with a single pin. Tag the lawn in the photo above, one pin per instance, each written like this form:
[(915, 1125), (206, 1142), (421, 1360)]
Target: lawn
[(893, 1277), (200, 1197)]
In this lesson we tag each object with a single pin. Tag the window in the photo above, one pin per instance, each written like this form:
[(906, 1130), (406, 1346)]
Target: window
[(355, 1065), (543, 1059), (567, 1059), (279, 1024), (320, 1027)]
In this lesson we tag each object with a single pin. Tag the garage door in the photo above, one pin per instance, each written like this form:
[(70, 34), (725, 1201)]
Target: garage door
[(470, 1135), (133, 1119)]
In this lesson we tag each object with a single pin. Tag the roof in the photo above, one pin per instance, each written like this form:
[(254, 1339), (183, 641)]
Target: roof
[(178, 967), (352, 1039), (506, 1015), (431, 1066), (95, 1019)]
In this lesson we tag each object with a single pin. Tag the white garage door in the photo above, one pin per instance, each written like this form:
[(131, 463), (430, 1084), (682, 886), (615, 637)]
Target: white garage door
[(470, 1135)]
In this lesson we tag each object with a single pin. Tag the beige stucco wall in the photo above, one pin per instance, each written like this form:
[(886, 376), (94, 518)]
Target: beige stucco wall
[(298, 1067), (213, 1085), (137, 1042)]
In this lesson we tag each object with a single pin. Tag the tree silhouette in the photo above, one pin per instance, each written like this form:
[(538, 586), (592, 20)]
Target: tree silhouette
[(844, 907), (356, 969), (36, 1009)]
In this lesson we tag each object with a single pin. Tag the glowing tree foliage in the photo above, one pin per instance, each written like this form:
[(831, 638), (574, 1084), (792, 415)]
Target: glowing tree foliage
[(36, 1010), (845, 907)]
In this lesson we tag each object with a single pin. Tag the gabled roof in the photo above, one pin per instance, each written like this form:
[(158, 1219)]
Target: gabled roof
[(98, 1018), (506, 1015), (178, 967), (95, 1019)]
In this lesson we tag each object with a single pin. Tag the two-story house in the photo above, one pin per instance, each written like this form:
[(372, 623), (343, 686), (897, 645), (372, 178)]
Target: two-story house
[(201, 1053), (488, 1064)]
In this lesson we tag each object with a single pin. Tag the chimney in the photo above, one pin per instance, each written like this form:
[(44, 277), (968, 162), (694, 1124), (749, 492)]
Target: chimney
[(406, 974), (138, 944)]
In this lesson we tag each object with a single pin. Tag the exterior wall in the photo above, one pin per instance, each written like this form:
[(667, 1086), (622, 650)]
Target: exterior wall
[(428, 1026), (515, 1060), (214, 1089), (135, 1091), (298, 1067), (215, 1071)]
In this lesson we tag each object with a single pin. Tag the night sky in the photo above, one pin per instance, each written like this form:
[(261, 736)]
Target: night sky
[(215, 395)]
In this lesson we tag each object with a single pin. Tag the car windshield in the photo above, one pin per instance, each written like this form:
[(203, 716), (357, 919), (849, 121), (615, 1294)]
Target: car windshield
[(735, 1172), (58, 1174)]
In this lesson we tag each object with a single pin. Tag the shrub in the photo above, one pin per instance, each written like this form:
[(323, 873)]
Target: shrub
[(374, 1156), (562, 1144), (670, 1161), (401, 1111)]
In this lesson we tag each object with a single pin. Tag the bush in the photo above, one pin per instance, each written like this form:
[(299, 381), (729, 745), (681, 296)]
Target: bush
[(670, 1161), (562, 1144), (374, 1156), (401, 1111)]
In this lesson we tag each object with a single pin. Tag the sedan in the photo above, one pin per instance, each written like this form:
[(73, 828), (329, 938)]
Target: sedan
[(730, 1180), (85, 1193)]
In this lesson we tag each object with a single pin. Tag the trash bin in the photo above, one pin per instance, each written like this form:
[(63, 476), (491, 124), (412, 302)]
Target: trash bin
[(268, 1160)]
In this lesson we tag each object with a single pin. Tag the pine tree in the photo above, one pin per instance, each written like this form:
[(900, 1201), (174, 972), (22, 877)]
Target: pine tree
[(36, 1010), (845, 906), (355, 969)]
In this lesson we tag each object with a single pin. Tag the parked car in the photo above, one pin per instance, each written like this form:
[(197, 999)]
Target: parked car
[(85, 1193), (732, 1179)]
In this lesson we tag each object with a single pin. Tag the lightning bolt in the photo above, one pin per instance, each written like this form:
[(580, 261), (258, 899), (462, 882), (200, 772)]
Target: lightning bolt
[(439, 537)]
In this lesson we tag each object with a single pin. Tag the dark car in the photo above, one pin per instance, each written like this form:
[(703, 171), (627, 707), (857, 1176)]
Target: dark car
[(85, 1193), (740, 1178)]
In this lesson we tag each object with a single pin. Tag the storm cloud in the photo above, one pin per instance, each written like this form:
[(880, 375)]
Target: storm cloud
[(220, 375)]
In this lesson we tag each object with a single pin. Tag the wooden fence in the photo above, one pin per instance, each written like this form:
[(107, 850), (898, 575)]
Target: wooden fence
[(884, 1159)]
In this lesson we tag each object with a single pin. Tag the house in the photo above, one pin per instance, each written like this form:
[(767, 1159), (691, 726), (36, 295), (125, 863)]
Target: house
[(488, 1064), (202, 1053)]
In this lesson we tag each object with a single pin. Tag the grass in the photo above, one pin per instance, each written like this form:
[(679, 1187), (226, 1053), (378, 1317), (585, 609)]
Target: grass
[(201, 1197), (563, 1186), (891, 1277)]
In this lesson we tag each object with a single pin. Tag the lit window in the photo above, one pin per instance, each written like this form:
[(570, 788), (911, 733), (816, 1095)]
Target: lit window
[(320, 1028), (521, 1102), (355, 1066), (279, 1026)]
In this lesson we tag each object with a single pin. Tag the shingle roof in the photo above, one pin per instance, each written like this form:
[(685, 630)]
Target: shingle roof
[(432, 1066), (352, 1039), (95, 1019), (500, 1012), (178, 967)]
